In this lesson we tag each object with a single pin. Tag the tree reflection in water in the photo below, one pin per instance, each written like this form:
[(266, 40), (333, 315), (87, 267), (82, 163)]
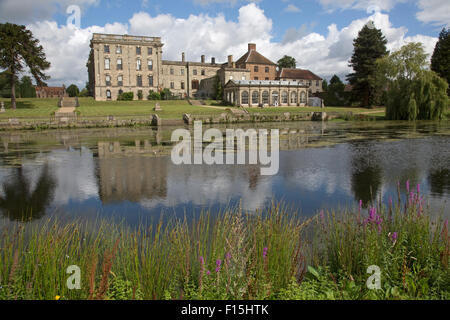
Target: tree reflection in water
[(20, 203)]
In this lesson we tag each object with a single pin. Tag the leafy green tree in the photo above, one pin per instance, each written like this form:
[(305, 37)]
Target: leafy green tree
[(440, 61), (26, 88), (18, 48), (153, 95), (335, 93), (73, 91), (325, 85), (414, 92), (287, 62), (218, 89), (369, 46), (5, 84)]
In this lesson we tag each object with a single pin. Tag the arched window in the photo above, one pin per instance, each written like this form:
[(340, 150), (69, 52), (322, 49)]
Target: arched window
[(303, 97), (244, 97), (265, 97), (284, 97), (255, 97), (275, 98), (108, 94), (294, 97)]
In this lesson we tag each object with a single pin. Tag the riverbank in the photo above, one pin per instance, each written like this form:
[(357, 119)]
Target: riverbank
[(235, 255), (38, 114)]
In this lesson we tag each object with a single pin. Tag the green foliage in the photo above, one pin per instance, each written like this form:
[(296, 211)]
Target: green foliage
[(414, 93), (152, 95), (218, 89), (287, 62), (334, 95), (440, 60), (126, 96), (166, 94), (17, 49), (140, 95), (369, 46), (73, 91)]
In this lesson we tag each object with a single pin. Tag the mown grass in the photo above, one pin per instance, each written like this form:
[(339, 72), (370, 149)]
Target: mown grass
[(234, 255), (34, 108)]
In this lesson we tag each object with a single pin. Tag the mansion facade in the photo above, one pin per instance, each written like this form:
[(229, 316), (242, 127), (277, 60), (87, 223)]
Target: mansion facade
[(125, 63)]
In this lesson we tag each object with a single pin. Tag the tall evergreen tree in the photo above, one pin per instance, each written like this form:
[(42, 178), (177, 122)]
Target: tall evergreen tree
[(18, 48), (440, 61), (369, 46)]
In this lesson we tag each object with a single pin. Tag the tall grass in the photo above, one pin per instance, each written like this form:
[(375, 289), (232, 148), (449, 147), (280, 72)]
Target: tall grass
[(234, 255)]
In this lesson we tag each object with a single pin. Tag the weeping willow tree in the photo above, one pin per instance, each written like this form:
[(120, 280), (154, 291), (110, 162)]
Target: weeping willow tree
[(414, 92)]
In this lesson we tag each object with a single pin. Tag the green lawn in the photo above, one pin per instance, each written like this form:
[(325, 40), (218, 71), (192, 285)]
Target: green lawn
[(43, 108)]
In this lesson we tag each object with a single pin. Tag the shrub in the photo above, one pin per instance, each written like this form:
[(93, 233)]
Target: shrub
[(140, 95), (152, 95), (126, 96)]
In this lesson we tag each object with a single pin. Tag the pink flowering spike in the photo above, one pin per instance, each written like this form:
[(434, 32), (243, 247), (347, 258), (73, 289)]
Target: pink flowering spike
[(208, 272), (394, 236), (360, 205), (407, 186), (418, 188)]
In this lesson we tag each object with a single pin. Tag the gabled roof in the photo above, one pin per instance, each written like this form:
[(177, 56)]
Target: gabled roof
[(254, 57), (299, 74)]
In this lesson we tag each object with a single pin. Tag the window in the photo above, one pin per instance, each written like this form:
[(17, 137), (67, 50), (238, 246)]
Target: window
[(108, 80), (255, 97), (275, 100), (195, 84), (182, 72), (265, 97), (310, 83), (294, 97), (256, 69), (119, 64), (108, 94), (120, 92), (284, 97), (106, 48), (182, 85), (172, 85), (303, 97), (194, 72), (267, 69), (203, 72), (149, 51), (107, 64), (172, 71), (244, 78), (138, 50), (231, 77), (150, 81), (256, 78), (139, 81), (244, 97), (267, 78), (119, 50), (317, 83), (150, 65), (138, 65), (120, 81)]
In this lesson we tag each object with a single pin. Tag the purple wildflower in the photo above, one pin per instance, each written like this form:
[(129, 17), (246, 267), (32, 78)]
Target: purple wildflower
[(394, 236), (202, 261), (407, 186), (418, 188), (360, 205), (265, 250), (208, 272), (218, 264)]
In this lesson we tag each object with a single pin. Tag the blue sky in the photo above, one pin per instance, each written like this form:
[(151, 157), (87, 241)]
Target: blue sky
[(318, 33)]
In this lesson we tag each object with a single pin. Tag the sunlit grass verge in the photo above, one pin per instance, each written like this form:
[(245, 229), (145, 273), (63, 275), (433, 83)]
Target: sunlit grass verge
[(235, 255)]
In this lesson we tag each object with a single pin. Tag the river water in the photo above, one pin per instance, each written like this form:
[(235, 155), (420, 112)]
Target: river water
[(127, 173)]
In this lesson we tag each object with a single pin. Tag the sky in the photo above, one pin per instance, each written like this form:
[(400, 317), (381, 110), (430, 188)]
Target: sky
[(317, 33)]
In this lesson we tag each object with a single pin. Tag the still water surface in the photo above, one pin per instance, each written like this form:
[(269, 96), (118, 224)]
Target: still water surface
[(127, 173)]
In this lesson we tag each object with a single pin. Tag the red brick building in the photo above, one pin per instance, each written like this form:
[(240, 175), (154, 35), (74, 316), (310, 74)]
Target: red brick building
[(302, 76), (260, 67), (51, 92)]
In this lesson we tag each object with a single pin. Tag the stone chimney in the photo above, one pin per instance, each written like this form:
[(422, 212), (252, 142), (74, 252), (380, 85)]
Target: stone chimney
[(213, 60), (251, 47), (230, 61), (203, 59), (183, 57)]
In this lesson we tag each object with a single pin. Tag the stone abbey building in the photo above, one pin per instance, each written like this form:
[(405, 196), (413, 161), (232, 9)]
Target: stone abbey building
[(126, 63)]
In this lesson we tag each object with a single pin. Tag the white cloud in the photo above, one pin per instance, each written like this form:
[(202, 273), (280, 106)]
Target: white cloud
[(370, 6), (292, 8), (26, 11), (67, 48), (436, 12)]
